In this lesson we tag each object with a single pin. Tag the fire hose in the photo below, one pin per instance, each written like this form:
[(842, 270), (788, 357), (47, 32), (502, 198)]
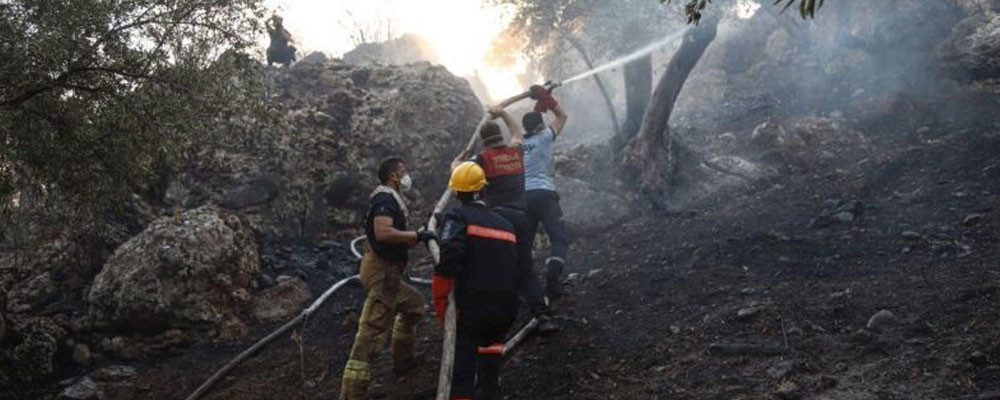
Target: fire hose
[(448, 347), (448, 351)]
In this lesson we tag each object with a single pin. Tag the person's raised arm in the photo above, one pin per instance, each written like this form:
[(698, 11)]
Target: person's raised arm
[(386, 233), (560, 121), (516, 134)]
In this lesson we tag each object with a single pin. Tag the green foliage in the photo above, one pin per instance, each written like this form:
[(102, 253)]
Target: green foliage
[(545, 28), (807, 8), (99, 97)]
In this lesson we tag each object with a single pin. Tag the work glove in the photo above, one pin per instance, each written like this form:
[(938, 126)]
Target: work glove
[(424, 235), (536, 92), (545, 100), (440, 288)]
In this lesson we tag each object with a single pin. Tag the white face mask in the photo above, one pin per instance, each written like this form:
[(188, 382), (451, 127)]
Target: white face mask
[(406, 183)]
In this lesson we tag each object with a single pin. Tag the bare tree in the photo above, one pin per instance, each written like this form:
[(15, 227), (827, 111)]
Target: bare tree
[(649, 162)]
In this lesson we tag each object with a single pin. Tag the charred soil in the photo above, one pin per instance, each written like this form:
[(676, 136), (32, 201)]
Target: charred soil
[(763, 295)]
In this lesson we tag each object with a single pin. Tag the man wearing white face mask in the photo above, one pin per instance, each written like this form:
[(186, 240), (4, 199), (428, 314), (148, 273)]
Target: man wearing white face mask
[(391, 303)]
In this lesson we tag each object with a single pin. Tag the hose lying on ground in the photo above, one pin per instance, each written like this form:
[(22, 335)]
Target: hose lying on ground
[(205, 387), (222, 372)]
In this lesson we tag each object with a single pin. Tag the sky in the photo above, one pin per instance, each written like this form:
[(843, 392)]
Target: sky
[(461, 31)]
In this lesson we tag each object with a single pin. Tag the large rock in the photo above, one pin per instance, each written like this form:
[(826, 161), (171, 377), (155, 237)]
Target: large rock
[(406, 49), (973, 49), (587, 210), (192, 271), (29, 349), (309, 173), (281, 301)]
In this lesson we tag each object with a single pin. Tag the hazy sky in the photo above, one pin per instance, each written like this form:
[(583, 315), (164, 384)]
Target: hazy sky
[(461, 31)]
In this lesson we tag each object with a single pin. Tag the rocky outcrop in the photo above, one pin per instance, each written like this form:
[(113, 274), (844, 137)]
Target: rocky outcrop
[(406, 49), (282, 301), (190, 271), (587, 210), (973, 49), (309, 173), (29, 348)]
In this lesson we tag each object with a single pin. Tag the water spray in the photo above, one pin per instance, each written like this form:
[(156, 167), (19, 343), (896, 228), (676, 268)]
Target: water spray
[(628, 58)]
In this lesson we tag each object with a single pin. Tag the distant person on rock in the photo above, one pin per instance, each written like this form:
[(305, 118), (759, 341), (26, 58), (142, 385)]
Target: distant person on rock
[(391, 304), (279, 51), (504, 195), (479, 262), (539, 184)]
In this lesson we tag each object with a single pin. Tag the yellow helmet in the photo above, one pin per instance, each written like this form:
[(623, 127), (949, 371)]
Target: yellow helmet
[(467, 177)]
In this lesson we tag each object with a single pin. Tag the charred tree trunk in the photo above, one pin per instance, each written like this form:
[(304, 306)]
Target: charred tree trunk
[(638, 89), (600, 84), (649, 162)]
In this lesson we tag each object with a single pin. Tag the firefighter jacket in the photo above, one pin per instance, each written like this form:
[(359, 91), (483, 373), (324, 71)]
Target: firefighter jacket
[(479, 251)]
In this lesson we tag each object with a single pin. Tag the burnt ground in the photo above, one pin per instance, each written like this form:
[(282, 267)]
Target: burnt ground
[(740, 298)]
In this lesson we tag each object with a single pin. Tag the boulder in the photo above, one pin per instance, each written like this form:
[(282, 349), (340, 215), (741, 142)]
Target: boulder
[(587, 210), (29, 349), (115, 373), (38, 290), (260, 190), (192, 271), (973, 48), (281, 301), (81, 354), (308, 173), (315, 57), (84, 389), (406, 49), (770, 135)]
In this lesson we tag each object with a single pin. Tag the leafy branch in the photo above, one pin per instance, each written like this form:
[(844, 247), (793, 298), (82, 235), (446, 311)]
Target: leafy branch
[(807, 8)]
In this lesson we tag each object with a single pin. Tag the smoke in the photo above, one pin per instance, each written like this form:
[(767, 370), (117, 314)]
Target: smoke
[(872, 62)]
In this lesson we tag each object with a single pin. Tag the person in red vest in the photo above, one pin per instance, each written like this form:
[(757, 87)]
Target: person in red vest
[(504, 194)]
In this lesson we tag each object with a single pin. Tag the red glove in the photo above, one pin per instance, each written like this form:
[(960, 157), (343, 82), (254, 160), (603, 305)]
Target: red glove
[(440, 289), (545, 99), (536, 92)]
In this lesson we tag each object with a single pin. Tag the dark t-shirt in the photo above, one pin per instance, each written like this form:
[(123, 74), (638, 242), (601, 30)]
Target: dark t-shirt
[(504, 168), (384, 204), (279, 37)]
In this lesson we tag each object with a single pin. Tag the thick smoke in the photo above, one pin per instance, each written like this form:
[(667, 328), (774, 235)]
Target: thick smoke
[(873, 62), (876, 63)]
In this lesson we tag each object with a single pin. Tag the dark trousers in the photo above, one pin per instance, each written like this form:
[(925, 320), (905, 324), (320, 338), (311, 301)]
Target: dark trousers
[(485, 319), (280, 54), (543, 207), (531, 288)]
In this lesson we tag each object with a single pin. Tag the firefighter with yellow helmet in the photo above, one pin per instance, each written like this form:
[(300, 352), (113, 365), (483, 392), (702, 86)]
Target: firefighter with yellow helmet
[(479, 263)]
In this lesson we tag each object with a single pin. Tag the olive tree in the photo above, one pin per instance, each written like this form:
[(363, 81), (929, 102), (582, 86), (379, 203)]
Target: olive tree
[(98, 96)]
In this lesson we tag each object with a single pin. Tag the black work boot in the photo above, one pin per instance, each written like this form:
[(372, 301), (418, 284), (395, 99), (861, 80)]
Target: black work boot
[(553, 283)]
